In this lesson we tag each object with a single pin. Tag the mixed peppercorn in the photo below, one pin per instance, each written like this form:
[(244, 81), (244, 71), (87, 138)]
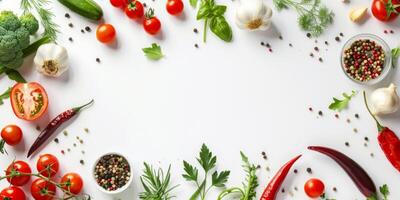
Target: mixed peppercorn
[(364, 60), (112, 172)]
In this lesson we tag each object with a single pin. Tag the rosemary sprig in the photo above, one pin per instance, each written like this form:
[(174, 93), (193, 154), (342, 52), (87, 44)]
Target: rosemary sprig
[(313, 16), (50, 27), (156, 184)]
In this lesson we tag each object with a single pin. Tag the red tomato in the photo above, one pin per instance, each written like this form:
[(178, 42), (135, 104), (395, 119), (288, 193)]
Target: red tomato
[(384, 10), (119, 3), (12, 193), (11, 134), (134, 10), (18, 167), (314, 188), (47, 165), (151, 24), (105, 33), (42, 190), (29, 100), (175, 7), (72, 182)]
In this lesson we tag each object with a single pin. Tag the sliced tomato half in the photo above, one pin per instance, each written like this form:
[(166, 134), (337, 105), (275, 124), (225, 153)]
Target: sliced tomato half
[(29, 101)]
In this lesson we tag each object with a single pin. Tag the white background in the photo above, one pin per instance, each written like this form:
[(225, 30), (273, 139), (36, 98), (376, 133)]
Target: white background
[(231, 96)]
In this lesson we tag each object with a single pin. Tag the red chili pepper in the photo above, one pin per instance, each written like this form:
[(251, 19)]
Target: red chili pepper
[(273, 186), (53, 126), (388, 140)]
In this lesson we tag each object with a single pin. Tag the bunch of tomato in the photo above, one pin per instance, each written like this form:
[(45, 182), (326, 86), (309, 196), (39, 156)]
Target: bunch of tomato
[(385, 10), (135, 10), (19, 174)]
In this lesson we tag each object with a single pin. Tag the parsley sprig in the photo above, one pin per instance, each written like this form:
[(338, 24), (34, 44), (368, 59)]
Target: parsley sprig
[(208, 162), (156, 184), (154, 52), (384, 190), (340, 104), (248, 190), (313, 17)]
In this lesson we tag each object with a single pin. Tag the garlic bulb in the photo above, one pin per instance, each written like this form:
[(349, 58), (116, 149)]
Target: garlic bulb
[(253, 15), (51, 60), (384, 100)]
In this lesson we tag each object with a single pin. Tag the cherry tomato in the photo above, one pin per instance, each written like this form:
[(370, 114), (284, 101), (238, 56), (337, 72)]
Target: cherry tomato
[(15, 167), (151, 24), (105, 33), (72, 182), (42, 190), (314, 188), (29, 100), (118, 3), (12, 193), (134, 10), (175, 7), (47, 165), (11, 134), (384, 10)]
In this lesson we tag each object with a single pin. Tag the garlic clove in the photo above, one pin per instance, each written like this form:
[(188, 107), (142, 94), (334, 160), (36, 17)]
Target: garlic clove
[(385, 100), (51, 60)]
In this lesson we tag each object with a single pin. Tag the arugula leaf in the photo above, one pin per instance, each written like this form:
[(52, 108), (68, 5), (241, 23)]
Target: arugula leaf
[(5, 95), (340, 104), (384, 190), (219, 180), (15, 75), (153, 52), (193, 3), (191, 172), (208, 162)]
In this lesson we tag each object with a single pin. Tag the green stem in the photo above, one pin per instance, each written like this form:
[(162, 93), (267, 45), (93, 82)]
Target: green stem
[(380, 127), (230, 191), (77, 109), (205, 30), (34, 46)]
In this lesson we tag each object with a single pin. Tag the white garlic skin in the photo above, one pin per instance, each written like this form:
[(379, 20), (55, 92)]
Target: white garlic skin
[(55, 56), (253, 15), (384, 100)]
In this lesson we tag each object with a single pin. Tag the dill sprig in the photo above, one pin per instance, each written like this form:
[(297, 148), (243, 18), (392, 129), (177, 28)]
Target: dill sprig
[(313, 16), (50, 27), (156, 184), (248, 190)]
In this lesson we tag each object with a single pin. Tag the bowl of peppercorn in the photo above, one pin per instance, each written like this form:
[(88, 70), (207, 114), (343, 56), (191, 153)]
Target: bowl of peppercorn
[(113, 173), (366, 59)]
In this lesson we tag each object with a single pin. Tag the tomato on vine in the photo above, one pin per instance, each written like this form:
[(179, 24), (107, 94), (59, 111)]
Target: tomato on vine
[(134, 9), (385, 10), (174, 7), (43, 190), (47, 165), (119, 3), (17, 169), (11, 135), (12, 193), (72, 182), (151, 24)]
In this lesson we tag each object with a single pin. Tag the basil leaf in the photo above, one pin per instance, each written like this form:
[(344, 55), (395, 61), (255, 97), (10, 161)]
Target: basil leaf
[(5, 95), (193, 3), (15, 75), (204, 10), (220, 27), (218, 10)]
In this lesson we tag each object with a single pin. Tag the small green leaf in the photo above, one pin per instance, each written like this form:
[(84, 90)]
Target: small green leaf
[(218, 10), (395, 52), (154, 52), (206, 158), (219, 180), (220, 27), (384, 190), (191, 172), (340, 104), (193, 3), (205, 10), (5, 95)]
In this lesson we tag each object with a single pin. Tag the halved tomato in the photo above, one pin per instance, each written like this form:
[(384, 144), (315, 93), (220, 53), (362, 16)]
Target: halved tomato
[(29, 101)]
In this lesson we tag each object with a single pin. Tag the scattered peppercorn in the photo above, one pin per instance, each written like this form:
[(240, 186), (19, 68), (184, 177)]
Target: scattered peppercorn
[(295, 188), (365, 144), (290, 45), (74, 145), (196, 45), (270, 50), (372, 155), (144, 5), (88, 29), (341, 34), (280, 37), (320, 59), (308, 35), (348, 120), (195, 30), (326, 43), (347, 144), (68, 149), (98, 60), (316, 48), (357, 116), (82, 162), (391, 31), (283, 190), (334, 189), (37, 127), (56, 140), (86, 129), (112, 172), (82, 31), (71, 25), (311, 55), (70, 39), (67, 15), (310, 109), (65, 133), (262, 43), (355, 130), (337, 116), (263, 153), (62, 152), (337, 39), (309, 170), (385, 31), (295, 171), (81, 141), (268, 169), (366, 139), (320, 113)]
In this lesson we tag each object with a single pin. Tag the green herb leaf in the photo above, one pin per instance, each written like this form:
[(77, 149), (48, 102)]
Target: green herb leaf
[(218, 10), (395, 52), (219, 180), (191, 172), (206, 160), (153, 52), (384, 190), (205, 9), (221, 28), (15, 75), (193, 3), (5, 95), (340, 104)]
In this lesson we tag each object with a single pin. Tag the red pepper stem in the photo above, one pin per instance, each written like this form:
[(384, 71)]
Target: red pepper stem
[(77, 109), (380, 127)]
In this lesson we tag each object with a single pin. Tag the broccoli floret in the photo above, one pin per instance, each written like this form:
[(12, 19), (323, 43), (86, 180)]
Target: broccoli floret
[(30, 23), (14, 37)]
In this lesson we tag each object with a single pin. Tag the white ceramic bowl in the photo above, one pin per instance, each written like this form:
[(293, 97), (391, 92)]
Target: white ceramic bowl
[(119, 190)]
